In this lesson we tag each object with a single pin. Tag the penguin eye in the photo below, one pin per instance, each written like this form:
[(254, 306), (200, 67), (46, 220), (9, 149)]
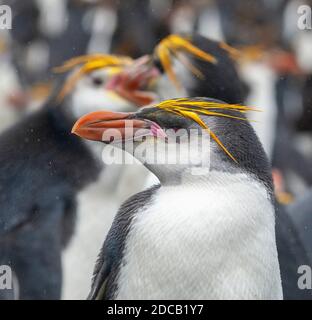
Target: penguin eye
[(96, 81)]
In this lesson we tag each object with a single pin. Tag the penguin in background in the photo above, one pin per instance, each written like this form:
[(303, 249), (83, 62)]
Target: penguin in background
[(207, 231), (85, 90), (42, 170), (182, 66)]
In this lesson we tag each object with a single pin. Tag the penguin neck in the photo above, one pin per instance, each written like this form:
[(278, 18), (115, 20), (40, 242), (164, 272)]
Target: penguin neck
[(171, 175), (192, 175), (211, 180), (198, 178)]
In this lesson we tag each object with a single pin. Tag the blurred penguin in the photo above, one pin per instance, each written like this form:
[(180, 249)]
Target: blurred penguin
[(41, 175)]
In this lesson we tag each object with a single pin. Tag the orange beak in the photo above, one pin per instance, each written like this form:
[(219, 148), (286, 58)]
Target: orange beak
[(108, 127)]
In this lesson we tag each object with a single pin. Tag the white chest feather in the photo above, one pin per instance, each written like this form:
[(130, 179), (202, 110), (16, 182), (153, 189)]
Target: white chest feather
[(215, 241)]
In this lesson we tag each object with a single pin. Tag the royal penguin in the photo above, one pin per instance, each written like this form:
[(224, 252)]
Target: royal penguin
[(182, 66), (207, 231)]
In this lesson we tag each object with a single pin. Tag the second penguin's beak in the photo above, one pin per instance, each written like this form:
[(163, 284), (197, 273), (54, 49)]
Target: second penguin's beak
[(133, 82)]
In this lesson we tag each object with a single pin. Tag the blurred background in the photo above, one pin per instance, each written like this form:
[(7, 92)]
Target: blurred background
[(277, 77)]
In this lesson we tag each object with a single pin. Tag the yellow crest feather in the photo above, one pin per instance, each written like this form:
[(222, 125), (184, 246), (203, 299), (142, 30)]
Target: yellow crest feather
[(192, 108), (178, 46), (88, 63), (107, 59)]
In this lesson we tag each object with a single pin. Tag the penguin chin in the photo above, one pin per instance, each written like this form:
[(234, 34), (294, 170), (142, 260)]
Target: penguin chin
[(169, 157)]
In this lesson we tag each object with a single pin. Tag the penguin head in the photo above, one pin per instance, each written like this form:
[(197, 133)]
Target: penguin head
[(84, 88), (183, 137), (185, 66)]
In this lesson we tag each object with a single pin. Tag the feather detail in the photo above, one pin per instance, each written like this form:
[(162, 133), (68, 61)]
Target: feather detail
[(89, 63), (163, 53), (197, 119), (109, 60), (177, 42), (177, 45), (192, 108)]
